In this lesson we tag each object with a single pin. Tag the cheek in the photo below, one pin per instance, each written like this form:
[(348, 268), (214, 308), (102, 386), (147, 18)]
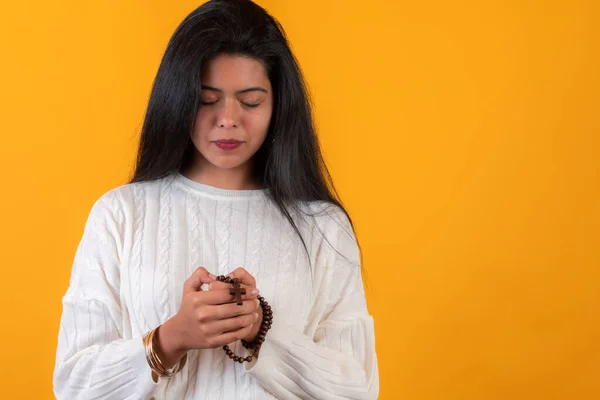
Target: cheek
[(202, 124), (258, 124)]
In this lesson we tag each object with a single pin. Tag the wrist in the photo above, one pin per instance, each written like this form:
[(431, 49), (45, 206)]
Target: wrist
[(169, 344)]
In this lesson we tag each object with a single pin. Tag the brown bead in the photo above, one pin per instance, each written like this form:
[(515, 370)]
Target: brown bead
[(266, 323)]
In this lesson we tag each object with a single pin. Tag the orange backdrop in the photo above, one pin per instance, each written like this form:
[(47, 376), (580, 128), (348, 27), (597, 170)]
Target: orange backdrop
[(464, 139)]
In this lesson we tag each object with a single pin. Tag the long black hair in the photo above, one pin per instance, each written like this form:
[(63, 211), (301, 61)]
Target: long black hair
[(289, 163)]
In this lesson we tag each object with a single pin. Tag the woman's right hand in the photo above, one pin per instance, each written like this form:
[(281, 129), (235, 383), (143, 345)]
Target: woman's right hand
[(206, 319)]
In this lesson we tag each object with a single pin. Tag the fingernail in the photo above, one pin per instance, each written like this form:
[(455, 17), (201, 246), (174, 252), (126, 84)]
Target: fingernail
[(255, 316), (211, 276), (255, 291), (209, 286)]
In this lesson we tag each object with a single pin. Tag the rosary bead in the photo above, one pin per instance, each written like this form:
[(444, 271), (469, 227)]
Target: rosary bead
[(264, 328)]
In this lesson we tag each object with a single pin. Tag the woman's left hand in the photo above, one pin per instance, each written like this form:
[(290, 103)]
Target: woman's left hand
[(246, 281)]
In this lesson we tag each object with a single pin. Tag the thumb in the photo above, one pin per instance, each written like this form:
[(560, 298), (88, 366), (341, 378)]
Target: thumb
[(197, 279)]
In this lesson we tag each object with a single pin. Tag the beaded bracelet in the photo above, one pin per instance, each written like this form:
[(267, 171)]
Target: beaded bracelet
[(264, 328)]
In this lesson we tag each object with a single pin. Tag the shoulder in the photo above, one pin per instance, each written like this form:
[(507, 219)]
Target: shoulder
[(113, 208), (328, 216), (123, 199), (332, 224)]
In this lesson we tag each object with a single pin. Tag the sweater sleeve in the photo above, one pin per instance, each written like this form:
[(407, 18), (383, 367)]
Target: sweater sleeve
[(93, 360), (339, 360)]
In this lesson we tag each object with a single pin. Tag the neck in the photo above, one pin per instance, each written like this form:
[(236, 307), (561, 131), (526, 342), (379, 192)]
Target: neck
[(238, 178)]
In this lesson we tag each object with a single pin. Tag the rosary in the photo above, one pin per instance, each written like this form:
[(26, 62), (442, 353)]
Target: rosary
[(237, 292)]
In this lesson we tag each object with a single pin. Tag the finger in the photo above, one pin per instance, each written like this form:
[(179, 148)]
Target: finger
[(230, 337), (218, 297), (232, 310), (216, 285), (244, 276), (194, 283), (231, 324)]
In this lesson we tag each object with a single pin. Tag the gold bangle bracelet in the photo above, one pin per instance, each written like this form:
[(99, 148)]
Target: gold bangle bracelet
[(154, 361)]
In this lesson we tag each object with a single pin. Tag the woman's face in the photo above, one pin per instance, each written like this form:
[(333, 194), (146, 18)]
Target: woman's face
[(234, 117)]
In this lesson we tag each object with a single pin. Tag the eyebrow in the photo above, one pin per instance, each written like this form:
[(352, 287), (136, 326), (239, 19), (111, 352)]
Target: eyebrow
[(250, 89)]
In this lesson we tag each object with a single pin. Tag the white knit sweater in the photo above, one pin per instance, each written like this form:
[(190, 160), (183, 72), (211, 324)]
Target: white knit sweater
[(143, 240)]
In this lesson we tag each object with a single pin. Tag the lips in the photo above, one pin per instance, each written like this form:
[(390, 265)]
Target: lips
[(228, 141), (227, 144)]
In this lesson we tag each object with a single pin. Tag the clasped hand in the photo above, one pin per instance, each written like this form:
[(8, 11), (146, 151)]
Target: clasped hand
[(211, 318)]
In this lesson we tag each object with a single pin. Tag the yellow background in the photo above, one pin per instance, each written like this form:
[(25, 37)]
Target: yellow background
[(463, 137)]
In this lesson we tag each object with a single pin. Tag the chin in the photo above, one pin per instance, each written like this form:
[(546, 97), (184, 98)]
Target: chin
[(231, 163)]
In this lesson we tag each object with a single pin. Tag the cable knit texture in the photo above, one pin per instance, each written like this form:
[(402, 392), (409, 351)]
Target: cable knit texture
[(142, 241)]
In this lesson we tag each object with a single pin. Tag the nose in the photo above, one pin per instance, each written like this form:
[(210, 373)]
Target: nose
[(228, 116)]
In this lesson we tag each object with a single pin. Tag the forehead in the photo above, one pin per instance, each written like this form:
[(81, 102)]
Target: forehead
[(234, 71)]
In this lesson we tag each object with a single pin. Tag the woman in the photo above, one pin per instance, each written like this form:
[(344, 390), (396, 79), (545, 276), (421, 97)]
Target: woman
[(229, 181)]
